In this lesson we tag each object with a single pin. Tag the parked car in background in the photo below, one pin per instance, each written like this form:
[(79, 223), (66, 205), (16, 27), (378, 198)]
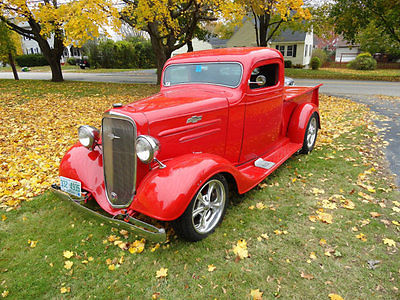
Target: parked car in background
[(83, 62), (289, 81), (222, 122)]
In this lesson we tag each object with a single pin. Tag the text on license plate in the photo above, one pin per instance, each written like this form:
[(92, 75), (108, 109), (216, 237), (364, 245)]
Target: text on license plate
[(70, 186)]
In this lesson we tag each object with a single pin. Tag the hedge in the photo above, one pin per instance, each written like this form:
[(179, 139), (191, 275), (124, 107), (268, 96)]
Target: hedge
[(31, 60)]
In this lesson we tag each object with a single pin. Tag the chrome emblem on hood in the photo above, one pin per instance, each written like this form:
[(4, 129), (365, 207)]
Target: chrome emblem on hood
[(194, 119)]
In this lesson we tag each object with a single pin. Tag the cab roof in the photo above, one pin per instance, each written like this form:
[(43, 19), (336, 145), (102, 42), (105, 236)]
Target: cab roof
[(244, 55)]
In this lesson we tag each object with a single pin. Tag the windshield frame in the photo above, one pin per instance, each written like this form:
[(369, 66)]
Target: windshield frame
[(207, 83)]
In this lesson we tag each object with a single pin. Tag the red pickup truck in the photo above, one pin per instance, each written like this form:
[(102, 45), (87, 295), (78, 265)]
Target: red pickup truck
[(222, 122)]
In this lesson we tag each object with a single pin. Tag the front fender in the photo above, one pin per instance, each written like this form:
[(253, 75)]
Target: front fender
[(299, 120), (87, 167), (165, 193)]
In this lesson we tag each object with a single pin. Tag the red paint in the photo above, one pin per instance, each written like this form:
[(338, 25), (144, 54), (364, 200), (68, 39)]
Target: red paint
[(238, 125)]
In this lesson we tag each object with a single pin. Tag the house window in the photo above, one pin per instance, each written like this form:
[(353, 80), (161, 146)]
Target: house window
[(271, 73), (306, 48), (282, 50), (289, 51)]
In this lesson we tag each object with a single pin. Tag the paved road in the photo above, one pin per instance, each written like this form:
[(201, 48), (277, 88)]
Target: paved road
[(141, 76), (361, 91), (368, 92)]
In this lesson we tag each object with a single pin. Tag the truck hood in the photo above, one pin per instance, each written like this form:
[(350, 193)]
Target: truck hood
[(176, 102)]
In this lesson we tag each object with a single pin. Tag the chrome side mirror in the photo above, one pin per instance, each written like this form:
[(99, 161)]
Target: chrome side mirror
[(260, 80)]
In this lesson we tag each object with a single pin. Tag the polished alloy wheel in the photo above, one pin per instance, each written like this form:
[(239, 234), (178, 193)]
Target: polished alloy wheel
[(208, 206), (312, 132)]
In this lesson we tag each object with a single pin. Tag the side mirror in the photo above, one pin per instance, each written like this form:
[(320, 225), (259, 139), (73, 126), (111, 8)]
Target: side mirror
[(260, 80)]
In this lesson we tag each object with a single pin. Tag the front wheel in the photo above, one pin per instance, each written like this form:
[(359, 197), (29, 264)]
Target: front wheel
[(205, 212), (310, 135)]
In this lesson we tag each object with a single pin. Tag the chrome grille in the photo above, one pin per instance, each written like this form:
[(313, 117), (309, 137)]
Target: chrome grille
[(119, 158)]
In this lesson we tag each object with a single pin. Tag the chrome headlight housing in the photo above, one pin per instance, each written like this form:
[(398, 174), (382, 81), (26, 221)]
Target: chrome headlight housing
[(88, 136), (146, 148)]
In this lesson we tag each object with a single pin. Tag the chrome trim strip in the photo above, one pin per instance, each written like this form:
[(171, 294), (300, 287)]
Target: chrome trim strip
[(136, 226), (116, 115), (209, 83)]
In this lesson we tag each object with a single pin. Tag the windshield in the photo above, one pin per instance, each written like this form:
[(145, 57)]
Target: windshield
[(226, 74)]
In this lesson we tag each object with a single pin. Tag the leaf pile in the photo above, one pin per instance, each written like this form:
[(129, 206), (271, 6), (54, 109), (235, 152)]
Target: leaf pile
[(35, 134)]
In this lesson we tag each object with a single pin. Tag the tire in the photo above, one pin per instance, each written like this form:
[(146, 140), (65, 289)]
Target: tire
[(310, 136), (202, 215)]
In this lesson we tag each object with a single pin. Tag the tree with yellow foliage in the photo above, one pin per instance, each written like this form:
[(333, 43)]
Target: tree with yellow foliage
[(172, 24), (269, 15), (10, 45), (56, 23)]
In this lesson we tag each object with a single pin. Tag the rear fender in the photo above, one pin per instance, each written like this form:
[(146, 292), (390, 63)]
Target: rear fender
[(299, 120), (165, 193)]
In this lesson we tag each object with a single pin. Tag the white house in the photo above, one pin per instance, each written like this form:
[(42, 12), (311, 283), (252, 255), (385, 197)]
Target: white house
[(30, 46), (346, 52), (295, 46), (197, 46)]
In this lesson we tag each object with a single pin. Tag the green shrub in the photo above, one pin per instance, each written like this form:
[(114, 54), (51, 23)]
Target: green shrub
[(363, 61), (131, 53), (315, 63), (31, 60), (288, 63), (71, 61), (321, 54)]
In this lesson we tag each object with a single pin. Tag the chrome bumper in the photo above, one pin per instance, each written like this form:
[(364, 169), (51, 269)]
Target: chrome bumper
[(127, 222)]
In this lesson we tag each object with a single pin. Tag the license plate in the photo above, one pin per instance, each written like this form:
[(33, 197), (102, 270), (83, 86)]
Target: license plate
[(70, 186)]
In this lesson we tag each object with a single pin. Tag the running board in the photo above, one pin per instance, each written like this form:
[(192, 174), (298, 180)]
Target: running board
[(260, 163)]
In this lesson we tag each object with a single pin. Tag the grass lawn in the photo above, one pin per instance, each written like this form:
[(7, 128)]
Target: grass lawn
[(317, 226), (338, 73)]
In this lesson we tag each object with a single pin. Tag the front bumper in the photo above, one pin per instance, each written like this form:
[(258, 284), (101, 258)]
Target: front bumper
[(127, 222)]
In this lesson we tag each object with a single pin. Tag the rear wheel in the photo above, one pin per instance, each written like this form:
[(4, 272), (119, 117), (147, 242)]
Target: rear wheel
[(310, 135), (205, 212)]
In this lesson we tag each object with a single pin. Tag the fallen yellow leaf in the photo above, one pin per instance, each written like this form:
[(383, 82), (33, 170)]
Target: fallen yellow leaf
[(389, 242), (111, 267), (162, 273), (256, 294), (335, 297), (362, 237), (211, 268), (68, 264), (64, 290), (241, 249), (374, 214), (68, 254), (32, 244)]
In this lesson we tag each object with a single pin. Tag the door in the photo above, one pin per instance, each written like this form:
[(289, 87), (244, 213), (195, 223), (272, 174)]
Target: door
[(263, 114)]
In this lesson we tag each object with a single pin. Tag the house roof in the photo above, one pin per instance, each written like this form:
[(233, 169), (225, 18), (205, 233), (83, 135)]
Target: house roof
[(217, 42), (290, 36)]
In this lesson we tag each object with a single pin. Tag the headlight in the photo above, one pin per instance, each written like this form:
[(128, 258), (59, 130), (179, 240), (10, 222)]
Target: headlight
[(88, 136), (146, 148)]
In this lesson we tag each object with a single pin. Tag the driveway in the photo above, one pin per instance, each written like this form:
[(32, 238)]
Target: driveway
[(365, 92), (374, 94)]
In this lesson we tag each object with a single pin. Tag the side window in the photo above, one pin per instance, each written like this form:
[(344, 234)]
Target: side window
[(271, 73)]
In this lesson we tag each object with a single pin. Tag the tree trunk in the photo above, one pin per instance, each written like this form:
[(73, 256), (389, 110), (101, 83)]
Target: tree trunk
[(56, 73), (12, 64), (263, 22), (190, 46), (160, 54)]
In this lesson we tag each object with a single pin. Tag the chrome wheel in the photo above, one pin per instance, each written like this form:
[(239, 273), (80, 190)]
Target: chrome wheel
[(311, 133), (208, 207)]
